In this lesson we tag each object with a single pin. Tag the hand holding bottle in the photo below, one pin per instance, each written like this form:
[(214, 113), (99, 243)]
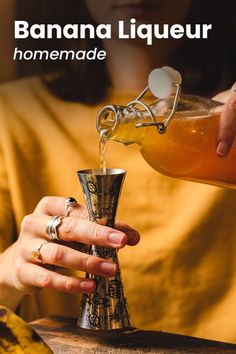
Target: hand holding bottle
[(189, 130), (227, 125), (161, 86)]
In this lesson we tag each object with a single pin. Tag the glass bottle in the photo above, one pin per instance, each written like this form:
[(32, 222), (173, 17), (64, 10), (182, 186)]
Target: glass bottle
[(177, 134)]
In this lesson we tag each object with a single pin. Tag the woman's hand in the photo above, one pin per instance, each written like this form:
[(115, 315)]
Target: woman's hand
[(227, 127), (25, 273)]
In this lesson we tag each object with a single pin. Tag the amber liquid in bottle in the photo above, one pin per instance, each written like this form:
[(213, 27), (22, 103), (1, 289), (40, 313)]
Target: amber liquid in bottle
[(187, 150)]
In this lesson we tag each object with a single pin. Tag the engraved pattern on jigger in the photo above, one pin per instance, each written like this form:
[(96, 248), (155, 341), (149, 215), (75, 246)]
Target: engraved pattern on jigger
[(106, 308)]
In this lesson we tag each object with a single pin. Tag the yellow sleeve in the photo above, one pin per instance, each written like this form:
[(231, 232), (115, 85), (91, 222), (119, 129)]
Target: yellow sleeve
[(7, 223)]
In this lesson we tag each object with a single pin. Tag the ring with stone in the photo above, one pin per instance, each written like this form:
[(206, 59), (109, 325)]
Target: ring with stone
[(71, 203), (37, 253), (51, 228)]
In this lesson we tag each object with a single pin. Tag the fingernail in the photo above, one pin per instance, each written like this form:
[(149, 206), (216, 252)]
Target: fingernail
[(87, 285), (222, 148), (108, 268), (116, 238)]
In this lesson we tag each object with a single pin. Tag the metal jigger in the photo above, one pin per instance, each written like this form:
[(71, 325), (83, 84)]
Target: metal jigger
[(105, 309)]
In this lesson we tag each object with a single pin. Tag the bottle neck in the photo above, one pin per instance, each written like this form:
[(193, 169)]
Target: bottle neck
[(113, 121), (111, 117)]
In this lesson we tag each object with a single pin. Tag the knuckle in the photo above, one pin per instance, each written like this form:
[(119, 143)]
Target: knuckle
[(26, 222), (227, 132), (85, 263), (44, 202), (226, 128), (69, 284), (97, 234), (55, 254), (67, 227), (45, 281)]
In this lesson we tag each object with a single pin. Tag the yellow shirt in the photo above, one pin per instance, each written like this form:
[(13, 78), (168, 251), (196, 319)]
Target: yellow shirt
[(181, 277)]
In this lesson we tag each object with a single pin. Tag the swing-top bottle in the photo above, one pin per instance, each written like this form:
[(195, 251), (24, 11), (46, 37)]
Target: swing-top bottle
[(177, 133)]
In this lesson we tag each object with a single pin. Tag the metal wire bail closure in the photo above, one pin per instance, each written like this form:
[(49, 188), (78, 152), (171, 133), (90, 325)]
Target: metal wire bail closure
[(161, 83)]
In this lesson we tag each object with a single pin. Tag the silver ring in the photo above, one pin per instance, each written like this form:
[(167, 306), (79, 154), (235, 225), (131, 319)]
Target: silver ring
[(71, 203), (51, 228), (37, 254)]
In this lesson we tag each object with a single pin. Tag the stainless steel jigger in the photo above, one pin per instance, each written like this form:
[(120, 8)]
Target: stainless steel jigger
[(106, 308)]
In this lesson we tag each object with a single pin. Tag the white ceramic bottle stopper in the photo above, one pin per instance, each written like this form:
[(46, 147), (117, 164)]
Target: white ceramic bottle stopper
[(162, 82)]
